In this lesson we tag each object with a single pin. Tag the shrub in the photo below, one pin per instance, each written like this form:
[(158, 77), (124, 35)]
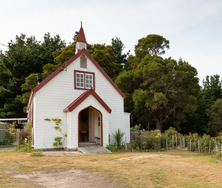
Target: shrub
[(23, 135), (118, 136), (218, 155), (26, 149), (135, 143), (169, 135), (136, 127), (152, 140), (112, 147), (36, 153), (10, 135)]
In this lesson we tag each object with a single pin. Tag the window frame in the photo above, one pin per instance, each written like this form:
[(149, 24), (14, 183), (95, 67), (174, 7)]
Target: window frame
[(84, 76)]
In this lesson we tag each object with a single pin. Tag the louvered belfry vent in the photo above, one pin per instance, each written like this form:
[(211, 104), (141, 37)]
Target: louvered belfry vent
[(83, 62), (82, 45)]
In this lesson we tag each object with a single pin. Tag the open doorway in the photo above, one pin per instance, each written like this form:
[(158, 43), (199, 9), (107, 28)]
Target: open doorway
[(90, 126)]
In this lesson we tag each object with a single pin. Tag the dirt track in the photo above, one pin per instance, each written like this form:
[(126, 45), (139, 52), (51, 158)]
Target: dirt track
[(66, 179)]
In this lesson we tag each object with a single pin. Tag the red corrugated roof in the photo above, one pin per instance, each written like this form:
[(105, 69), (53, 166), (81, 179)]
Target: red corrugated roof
[(82, 97), (81, 36)]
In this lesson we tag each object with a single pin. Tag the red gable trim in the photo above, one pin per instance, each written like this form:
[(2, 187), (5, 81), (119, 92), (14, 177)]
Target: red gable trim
[(83, 51), (51, 76), (82, 97), (103, 72)]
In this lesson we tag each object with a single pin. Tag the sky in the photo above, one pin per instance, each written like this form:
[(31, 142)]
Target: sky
[(193, 27)]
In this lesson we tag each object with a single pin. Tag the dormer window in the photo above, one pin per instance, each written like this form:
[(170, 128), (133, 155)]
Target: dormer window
[(84, 80)]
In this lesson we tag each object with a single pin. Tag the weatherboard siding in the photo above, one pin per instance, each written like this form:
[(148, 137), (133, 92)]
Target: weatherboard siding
[(58, 93), (90, 101)]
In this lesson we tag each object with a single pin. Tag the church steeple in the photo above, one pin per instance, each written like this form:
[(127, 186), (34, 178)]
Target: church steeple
[(81, 40)]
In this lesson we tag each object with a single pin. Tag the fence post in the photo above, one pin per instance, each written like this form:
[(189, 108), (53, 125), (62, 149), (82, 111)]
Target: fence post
[(166, 145), (195, 145), (209, 146), (221, 152), (125, 144), (17, 139), (180, 142), (140, 141), (184, 144), (190, 145), (172, 141), (176, 142), (29, 141), (198, 146), (215, 145)]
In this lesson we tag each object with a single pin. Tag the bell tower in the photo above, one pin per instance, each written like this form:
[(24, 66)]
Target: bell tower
[(81, 40)]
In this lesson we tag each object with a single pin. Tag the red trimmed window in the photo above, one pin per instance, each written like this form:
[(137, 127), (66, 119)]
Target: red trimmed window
[(84, 80)]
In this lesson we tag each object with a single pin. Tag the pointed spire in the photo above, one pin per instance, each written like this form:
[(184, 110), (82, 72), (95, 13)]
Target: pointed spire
[(81, 40), (81, 36)]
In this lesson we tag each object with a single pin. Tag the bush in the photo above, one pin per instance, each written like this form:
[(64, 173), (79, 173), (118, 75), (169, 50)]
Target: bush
[(218, 155), (118, 136), (169, 135), (26, 149), (136, 128), (152, 140), (112, 147), (24, 135), (135, 143), (10, 137), (36, 154), (10, 134)]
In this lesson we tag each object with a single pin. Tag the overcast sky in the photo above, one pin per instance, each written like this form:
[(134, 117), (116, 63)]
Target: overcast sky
[(193, 27)]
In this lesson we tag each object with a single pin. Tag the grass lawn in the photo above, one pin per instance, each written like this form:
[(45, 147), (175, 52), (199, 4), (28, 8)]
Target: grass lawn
[(147, 169)]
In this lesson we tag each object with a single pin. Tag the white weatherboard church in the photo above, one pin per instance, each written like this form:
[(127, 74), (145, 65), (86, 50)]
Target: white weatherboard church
[(84, 97)]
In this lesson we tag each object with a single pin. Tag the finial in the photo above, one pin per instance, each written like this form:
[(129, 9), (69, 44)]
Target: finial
[(81, 23)]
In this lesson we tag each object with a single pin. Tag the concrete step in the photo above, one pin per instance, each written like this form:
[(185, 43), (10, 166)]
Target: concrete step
[(93, 150), (88, 144)]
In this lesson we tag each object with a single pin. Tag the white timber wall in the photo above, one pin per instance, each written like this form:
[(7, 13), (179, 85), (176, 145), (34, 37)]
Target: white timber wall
[(127, 127), (57, 94), (73, 132)]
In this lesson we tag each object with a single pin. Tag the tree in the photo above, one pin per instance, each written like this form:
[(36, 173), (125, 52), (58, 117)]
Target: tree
[(151, 44), (214, 114), (169, 89), (24, 56), (118, 47), (75, 36), (211, 91), (127, 83), (105, 57)]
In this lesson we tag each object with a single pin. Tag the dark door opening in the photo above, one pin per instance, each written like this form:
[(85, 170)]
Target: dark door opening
[(84, 126)]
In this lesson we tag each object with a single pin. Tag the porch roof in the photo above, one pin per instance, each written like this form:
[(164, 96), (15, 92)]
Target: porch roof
[(82, 97)]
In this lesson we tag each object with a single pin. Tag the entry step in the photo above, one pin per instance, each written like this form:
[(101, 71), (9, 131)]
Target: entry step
[(93, 150)]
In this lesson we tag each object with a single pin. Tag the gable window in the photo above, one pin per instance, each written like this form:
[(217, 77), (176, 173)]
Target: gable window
[(83, 62), (84, 80), (89, 81), (79, 80)]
